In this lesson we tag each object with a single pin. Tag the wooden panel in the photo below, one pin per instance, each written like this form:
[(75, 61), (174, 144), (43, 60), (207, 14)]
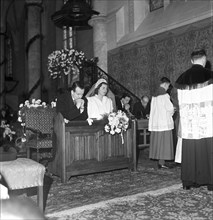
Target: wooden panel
[(142, 132), (87, 149)]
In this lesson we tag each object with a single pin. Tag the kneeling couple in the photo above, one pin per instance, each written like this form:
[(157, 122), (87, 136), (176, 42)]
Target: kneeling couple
[(73, 106)]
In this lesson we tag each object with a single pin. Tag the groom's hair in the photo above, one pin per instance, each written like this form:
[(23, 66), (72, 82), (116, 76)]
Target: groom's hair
[(77, 84), (165, 80)]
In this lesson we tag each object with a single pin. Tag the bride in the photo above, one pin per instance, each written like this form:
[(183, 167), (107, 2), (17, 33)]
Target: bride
[(99, 104)]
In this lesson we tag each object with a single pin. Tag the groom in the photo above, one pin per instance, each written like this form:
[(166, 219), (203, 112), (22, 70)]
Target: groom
[(71, 104)]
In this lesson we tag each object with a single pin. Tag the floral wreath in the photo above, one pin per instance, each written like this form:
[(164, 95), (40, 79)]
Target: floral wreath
[(61, 62)]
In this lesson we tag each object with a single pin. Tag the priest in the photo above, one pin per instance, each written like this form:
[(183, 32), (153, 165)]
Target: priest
[(195, 99)]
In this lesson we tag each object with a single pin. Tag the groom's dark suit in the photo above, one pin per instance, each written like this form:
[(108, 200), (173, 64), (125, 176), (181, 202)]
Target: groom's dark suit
[(65, 105)]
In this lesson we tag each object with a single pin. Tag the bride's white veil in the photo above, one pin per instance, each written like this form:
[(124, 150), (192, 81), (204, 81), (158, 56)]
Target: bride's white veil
[(110, 94), (91, 92)]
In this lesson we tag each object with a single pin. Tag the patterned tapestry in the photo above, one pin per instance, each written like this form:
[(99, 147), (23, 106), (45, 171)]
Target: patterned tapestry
[(139, 65)]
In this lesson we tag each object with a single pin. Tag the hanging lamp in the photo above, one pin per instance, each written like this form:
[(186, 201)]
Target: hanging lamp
[(75, 13)]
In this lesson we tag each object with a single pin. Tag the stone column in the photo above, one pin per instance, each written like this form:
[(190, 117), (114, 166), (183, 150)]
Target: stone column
[(33, 48), (2, 56), (2, 72), (100, 40)]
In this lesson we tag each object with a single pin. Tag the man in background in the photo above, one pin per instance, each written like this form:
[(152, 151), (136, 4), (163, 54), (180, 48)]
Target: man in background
[(71, 104), (123, 104), (141, 110)]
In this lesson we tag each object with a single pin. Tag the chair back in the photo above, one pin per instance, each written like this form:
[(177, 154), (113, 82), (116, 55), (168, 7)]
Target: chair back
[(40, 119)]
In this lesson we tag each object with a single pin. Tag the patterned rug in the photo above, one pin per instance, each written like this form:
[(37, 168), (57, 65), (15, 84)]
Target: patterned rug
[(167, 203), (148, 193)]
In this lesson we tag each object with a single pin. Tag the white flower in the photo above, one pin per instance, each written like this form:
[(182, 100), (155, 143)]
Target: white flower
[(38, 101), (118, 130), (26, 102), (53, 104), (23, 139), (90, 121), (107, 128), (66, 121), (44, 104), (112, 132)]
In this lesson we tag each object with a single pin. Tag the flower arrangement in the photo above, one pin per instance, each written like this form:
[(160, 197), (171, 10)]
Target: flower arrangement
[(117, 123), (7, 132), (7, 136), (10, 130), (63, 61)]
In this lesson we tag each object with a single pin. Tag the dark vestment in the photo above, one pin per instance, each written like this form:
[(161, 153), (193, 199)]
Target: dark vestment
[(139, 111), (67, 108), (193, 76), (197, 154)]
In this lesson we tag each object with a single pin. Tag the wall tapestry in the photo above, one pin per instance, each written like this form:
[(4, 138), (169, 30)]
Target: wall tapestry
[(139, 65)]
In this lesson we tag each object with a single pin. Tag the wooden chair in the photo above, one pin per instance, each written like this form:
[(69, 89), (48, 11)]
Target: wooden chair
[(39, 130)]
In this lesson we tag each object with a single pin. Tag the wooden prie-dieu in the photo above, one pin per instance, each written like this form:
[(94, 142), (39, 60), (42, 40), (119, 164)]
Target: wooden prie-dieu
[(83, 149)]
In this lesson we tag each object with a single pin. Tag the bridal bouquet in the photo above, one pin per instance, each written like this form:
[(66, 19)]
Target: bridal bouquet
[(117, 123), (64, 62)]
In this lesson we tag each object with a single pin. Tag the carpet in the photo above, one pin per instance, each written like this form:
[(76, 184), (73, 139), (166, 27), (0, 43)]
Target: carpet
[(167, 203), (148, 193), (94, 188)]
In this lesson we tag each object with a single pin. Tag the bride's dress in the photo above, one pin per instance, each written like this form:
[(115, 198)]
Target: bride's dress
[(97, 108)]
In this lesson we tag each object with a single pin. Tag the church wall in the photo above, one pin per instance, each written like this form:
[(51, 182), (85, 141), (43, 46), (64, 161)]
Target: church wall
[(140, 65), (161, 45)]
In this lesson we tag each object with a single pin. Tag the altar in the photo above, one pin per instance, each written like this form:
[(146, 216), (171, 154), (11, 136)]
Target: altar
[(84, 149)]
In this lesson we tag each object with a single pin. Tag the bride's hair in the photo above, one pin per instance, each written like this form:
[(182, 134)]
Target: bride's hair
[(99, 86)]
